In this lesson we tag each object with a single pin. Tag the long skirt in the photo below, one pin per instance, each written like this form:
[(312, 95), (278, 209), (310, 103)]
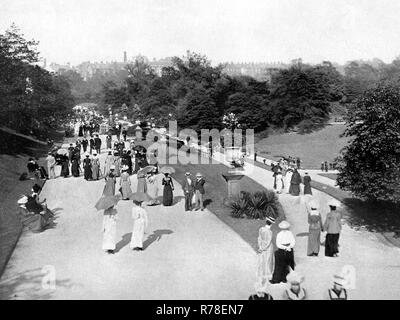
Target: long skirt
[(283, 260), (137, 234), (307, 189), (314, 239), (288, 177), (65, 169), (109, 232), (108, 144), (109, 188), (88, 173), (294, 189), (141, 185), (265, 266), (75, 169), (167, 196), (331, 244), (95, 172)]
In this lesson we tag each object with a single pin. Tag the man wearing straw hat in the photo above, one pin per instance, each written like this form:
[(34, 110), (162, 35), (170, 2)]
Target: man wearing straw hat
[(199, 191), (284, 256)]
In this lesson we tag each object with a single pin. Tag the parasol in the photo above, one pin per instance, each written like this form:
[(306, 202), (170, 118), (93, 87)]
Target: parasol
[(62, 151), (147, 169), (106, 202), (167, 169), (140, 197)]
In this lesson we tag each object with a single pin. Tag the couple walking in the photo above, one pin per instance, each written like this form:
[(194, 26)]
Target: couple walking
[(195, 188)]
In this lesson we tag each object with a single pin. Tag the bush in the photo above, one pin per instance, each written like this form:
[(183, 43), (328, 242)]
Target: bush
[(258, 205)]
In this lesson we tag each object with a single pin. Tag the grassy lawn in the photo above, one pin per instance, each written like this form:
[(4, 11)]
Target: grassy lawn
[(216, 192), (313, 148), (14, 154)]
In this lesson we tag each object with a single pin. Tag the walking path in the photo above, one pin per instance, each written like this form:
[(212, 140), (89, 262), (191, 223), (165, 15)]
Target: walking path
[(188, 255), (376, 262)]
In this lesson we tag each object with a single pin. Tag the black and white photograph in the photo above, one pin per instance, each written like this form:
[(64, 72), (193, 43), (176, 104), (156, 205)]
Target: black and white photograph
[(227, 150)]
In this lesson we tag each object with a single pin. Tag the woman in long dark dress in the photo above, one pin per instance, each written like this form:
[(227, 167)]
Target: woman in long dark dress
[(80, 134), (307, 184), (75, 166), (87, 167), (65, 166), (168, 187)]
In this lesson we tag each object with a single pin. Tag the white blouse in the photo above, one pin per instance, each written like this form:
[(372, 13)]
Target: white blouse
[(285, 240)]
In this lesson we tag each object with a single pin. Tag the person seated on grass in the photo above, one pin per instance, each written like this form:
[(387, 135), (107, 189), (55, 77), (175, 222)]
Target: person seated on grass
[(33, 169)]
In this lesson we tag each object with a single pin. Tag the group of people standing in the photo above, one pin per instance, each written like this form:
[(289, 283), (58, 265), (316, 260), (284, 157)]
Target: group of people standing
[(276, 262)]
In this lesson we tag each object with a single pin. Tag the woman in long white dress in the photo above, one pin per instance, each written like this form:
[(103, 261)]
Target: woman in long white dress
[(140, 222), (108, 163), (109, 229), (279, 182), (288, 178), (266, 261)]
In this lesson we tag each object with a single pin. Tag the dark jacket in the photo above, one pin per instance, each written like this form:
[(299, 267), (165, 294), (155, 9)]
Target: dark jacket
[(97, 142), (199, 185)]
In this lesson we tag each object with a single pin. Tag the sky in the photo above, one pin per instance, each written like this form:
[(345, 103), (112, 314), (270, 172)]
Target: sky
[(223, 30)]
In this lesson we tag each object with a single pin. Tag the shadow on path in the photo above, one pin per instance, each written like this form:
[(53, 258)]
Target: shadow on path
[(156, 236)]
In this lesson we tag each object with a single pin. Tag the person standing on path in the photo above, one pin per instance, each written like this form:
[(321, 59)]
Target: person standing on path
[(95, 166), (295, 183), (265, 267), (295, 291), (51, 163), (332, 226), (307, 184), (284, 256), (108, 141), (92, 144), (125, 184), (288, 178), (65, 166), (109, 230), (97, 144), (108, 163), (109, 188), (141, 182), (199, 191), (168, 197), (279, 182), (140, 223), (85, 143), (87, 168), (75, 163), (188, 190), (314, 230)]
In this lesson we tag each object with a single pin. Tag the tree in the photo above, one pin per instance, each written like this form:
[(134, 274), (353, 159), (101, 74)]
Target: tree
[(369, 165)]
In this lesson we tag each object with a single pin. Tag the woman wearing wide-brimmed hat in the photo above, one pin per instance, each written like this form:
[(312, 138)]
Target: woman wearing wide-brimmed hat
[(284, 256), (295, 291), (140, 220)]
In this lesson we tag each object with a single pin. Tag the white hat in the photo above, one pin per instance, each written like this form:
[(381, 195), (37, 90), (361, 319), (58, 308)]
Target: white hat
[(339, 279), (313, 204), (112, 167), (284, 225), (198, 174), (125, 167), (294, 278)]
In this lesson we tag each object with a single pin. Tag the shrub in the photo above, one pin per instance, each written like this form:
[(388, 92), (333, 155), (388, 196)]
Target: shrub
[(258, 205)]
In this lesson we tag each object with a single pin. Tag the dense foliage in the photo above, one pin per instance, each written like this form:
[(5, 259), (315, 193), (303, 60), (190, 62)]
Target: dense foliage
[(31, 99), (369, 165)]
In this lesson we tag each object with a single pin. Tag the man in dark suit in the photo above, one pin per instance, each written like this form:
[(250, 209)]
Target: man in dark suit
[(97, 144), (91, 144), (188, 188), (199, 191)]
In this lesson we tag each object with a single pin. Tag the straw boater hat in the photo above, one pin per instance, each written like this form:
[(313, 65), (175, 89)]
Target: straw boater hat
[(270, 219), (198, 174), (339, 279), (187, 174), (294, 277), (112, 167), (284, 225)]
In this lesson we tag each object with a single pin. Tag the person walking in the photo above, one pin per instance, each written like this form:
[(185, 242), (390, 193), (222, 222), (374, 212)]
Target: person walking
[(95, 166), (188, 188), (284, 256), (326, 166), (141, 182), (87, 168), (295, 183), (108, 163), (92, 144), (140, 223), (265, 266), (109, 229), (279, 182), (125, 184), (168, 184), (85, 143), (307, 184), (333, 227), (97, 143), (51, 163), (199, 191), (65, 166), (109, 188), (108, 141), (75, 163), (117, 164), (314, 230)]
